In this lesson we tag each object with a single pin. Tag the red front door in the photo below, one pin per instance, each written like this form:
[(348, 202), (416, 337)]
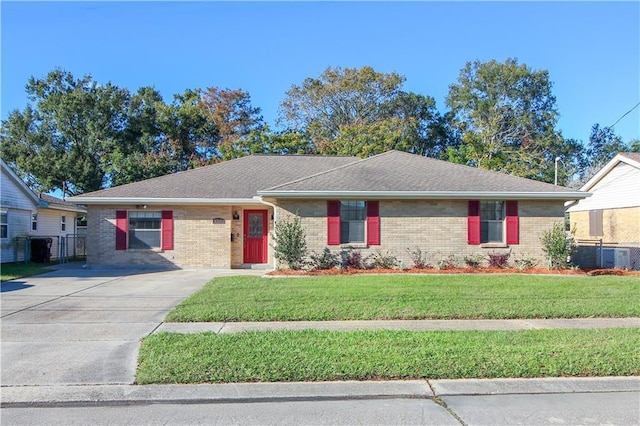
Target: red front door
[(255, 236)]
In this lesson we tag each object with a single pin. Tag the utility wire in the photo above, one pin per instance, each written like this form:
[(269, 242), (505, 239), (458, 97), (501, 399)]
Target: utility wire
[(623, 115)]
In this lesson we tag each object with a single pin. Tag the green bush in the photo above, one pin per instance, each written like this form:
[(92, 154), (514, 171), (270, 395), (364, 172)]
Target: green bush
[(384, 261), (558, 246), (324, 260), (290, 243)]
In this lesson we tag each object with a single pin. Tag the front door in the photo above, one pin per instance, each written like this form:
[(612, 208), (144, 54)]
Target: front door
[(256, 229)]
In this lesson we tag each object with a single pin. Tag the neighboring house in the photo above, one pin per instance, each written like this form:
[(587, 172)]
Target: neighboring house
[(610, 216), (26, 214), (223, 215)]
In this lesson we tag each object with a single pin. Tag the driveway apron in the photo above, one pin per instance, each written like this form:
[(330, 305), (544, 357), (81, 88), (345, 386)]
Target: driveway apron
[(83, 326)]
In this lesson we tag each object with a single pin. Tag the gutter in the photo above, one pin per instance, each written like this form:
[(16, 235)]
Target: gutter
[(158, 201), (429, 195)]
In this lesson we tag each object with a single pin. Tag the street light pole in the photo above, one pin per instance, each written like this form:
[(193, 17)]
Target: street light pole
[(555, 179)]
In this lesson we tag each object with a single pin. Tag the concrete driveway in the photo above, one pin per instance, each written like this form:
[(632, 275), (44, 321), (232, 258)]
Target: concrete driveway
[(83, 326)]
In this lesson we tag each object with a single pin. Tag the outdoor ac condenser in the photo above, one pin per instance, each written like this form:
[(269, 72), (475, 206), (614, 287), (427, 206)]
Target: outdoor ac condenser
[(622, 258)]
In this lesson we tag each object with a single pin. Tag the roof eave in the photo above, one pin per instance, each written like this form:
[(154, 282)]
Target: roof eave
[(160, 201), (429, 195)]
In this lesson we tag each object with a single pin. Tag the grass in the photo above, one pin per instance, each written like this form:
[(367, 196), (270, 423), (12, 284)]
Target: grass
[(368, 297), (11, 271), (364, 355)]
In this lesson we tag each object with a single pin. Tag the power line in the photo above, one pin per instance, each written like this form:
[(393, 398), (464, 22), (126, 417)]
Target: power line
[(623, 115)]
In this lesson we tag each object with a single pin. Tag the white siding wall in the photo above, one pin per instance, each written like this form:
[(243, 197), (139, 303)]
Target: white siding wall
[(620, 188), (18, 206)]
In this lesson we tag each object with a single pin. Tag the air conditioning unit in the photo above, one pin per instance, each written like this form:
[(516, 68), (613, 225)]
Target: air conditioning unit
[(615, 258), (622, 258)]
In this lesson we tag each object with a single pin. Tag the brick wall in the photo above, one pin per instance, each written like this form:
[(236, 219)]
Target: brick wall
[(618, 225), (198, 242), (437, 227)]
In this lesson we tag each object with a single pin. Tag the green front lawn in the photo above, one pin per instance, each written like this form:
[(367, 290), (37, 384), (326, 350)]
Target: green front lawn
[(368, 297), (365, 355), (12, 271)]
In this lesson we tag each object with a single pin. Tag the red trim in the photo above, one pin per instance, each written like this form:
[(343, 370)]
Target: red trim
[(121, 229), (473, 222), (373, 223), (513, 231), (333, 222), (167, 230)]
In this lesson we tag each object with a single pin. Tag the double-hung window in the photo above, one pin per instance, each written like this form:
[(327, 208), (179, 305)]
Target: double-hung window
[(34, 221), (492, 221), (4, 225), (352, 222), (63, 223), (144, 230)]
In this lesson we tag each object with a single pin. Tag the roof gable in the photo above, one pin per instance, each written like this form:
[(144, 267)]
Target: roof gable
[(630, 158), (398, 172)]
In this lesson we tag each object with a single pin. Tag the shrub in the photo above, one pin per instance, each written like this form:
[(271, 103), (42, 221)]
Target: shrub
[(324, 260), (383, 261), (419, 259), (353, 259), (558, 246), (473, 261), (290, 245), (525, 262), (449, 262), (499, 260)]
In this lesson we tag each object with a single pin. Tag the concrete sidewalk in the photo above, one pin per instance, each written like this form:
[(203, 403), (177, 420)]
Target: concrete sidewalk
[(92, 395), (412, 325)]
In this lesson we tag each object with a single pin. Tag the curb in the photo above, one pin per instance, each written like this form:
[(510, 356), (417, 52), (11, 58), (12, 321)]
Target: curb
[(113, 395)]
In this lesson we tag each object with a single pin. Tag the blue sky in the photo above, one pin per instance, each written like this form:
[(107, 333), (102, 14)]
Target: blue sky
[(591, 49)]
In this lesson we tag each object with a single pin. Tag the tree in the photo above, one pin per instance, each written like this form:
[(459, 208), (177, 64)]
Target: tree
[(65, 140), (506, 115), (362, 112), (235, 118)]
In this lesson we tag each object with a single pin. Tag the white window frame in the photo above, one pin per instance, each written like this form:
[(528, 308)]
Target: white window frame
[(150, 214), (63, 223), (363, 220), (502, 222), (34, 221)]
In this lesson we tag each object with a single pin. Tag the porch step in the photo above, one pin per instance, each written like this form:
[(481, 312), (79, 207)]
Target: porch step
[(254, 266)]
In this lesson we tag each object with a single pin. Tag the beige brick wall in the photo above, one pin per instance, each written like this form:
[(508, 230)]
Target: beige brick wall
[(437, 227), (198, 242), (618, 225)]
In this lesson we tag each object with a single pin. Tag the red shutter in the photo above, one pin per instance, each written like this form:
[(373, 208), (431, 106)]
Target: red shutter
[(121, 229), (373, 223), (473, 222), (333, 223), (513, 231), (167, 230)]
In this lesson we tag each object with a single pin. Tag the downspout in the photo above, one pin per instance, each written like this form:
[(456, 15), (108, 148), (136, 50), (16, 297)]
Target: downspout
[(275, 218)]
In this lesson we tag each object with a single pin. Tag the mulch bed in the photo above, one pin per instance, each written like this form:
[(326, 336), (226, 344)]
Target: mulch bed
[(350, 271)]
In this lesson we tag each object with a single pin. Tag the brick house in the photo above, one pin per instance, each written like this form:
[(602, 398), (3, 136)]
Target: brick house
[(223, 215), (610, 216)]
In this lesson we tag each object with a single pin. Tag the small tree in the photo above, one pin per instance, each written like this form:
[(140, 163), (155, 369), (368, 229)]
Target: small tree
[(558, 246), (290, 242)]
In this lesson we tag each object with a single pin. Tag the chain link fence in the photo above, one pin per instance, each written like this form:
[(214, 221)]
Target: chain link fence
[(599, 254), (46, 248)]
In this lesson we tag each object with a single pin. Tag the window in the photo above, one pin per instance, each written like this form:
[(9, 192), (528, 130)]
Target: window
[(353, 222), (595, 223), (352, 217), (4, 225), (491, 221), (144, 230), (63, 223), (34, 221)]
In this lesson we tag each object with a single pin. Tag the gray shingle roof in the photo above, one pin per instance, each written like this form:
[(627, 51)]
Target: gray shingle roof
[(400, 171), (635, 156), (275, 175), (239, 178)]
